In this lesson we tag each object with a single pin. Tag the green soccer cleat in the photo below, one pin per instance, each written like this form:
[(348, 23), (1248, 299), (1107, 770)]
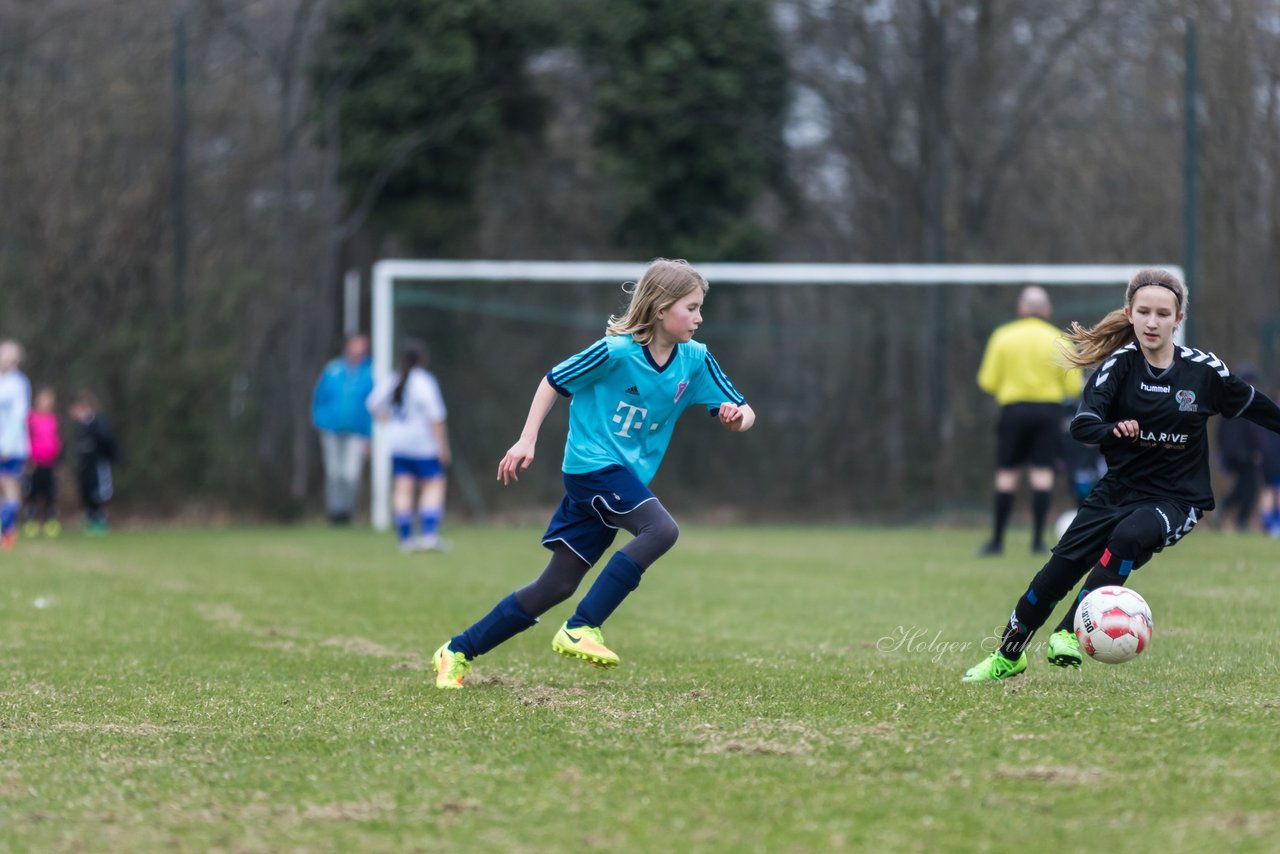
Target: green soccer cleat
[(995, 667), (52, 529), (451, 667), (31, 529), (585, 642), (1064, 649)]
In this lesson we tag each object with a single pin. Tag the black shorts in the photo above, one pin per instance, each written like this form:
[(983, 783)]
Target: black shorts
[(1028, 434), (1108, 504), (42, 485)]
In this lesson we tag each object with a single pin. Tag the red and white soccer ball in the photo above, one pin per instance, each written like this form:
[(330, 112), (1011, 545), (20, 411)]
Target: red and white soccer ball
[(1113, 624)]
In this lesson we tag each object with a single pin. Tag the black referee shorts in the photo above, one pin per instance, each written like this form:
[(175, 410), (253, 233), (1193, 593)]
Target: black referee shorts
[(1110, 503), (1028, 434)]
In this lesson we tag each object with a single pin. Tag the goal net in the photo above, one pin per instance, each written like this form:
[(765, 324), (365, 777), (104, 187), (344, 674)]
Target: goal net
[(862, 377)]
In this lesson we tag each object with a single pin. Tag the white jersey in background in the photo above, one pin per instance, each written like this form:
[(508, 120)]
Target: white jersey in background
[(409, 432), (15, 403)]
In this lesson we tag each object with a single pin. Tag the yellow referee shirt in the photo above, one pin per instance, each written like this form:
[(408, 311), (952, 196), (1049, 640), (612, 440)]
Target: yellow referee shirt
[(1023, 364)]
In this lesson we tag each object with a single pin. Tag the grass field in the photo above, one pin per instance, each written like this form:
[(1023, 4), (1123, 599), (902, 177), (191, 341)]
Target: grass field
[(782, 689)]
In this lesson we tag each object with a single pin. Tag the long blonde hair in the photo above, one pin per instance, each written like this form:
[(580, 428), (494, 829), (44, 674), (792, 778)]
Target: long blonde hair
[(1092, 346), (664, 282)]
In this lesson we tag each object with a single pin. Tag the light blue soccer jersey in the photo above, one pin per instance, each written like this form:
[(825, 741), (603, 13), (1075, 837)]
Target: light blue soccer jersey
[(624, 407)]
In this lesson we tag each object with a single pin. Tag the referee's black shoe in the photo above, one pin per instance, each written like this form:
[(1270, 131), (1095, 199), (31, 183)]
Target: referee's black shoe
[(990, 550)]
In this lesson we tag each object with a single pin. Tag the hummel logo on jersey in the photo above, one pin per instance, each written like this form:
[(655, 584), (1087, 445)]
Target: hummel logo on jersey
[(633, 390), (1162, 389)]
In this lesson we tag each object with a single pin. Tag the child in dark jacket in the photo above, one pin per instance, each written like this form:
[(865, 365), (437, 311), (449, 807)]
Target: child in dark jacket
[(96, 450)]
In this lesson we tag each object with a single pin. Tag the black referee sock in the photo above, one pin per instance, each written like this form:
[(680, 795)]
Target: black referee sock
[(1040, 500), (1004, 506)]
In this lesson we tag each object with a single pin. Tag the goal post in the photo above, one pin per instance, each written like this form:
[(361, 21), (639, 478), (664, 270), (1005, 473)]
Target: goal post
[(388, 274)]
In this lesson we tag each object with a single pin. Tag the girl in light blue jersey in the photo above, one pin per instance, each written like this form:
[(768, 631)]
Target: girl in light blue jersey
[(625, 393)]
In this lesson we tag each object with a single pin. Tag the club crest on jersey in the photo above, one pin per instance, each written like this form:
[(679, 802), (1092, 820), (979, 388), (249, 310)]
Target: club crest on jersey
[(684, 384), (1186, 400)]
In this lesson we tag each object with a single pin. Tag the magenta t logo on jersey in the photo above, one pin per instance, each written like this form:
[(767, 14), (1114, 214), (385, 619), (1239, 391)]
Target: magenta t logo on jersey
[(680, 390)]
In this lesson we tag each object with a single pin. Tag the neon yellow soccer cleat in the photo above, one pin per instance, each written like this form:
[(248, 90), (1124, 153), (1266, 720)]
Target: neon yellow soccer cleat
[(585, 642), (1064, 649), (451, 667), (995, 667), (52, 529), (31, 529)]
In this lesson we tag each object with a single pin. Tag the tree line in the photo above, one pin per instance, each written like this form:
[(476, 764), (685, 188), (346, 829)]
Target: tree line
[(186, 182)]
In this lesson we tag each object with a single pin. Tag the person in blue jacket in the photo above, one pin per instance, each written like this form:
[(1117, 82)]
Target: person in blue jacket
[(338, 412)]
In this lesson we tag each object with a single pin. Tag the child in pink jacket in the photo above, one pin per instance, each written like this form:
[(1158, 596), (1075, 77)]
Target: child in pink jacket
[(46, 449)]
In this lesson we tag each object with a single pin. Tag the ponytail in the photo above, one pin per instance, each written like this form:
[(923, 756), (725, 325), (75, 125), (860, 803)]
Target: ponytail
[(411, 356), (1092, 346)]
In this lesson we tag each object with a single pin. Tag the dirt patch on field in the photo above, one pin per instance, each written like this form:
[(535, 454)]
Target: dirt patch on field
[(765, 738), (1068, 774), (349, 810), (361, 646), (546, 697)]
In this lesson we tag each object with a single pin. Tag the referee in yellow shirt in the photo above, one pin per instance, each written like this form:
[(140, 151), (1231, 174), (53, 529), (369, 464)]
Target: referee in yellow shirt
[(1024, 370)]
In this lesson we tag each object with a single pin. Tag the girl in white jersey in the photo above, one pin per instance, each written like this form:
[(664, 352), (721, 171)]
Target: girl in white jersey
[(411, 408), (626, 392), (15, 402)]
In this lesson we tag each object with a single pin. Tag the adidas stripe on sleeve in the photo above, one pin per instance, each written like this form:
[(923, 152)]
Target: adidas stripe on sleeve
[(581, 369)]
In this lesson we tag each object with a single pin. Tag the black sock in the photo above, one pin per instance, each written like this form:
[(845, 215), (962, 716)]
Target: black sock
[(1051, 583), (1004, 506), (1040, 500), (1099, 576)]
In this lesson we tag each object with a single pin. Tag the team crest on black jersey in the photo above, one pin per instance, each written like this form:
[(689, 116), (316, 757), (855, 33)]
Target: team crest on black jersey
[(1186, 400)]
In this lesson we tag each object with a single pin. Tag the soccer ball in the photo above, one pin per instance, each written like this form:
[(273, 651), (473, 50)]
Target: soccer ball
[(1113, 624)]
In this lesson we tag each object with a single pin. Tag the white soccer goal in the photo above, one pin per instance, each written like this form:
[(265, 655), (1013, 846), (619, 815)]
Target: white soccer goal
[(388, 274)]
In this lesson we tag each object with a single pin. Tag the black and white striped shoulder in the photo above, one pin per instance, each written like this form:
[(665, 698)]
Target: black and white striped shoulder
[(1191, 354), (1104, 370)]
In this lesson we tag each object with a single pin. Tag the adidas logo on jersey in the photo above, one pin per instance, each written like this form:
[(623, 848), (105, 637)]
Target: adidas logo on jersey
[(633, 390)]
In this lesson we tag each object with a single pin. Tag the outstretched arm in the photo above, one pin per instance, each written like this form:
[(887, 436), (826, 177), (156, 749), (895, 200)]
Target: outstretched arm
[(1263, 411), (736, 417), (520, 455)]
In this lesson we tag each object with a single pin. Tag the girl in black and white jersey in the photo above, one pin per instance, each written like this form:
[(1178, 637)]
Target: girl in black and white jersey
[(1147, 406)]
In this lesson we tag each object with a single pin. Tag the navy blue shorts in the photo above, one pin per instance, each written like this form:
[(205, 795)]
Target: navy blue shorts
[(423, 468), (12, 466), (589, 499)]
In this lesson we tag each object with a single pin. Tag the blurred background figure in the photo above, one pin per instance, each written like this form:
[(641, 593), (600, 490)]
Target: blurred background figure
[(1240, 456), (338, 412), (1023, 369), (15, 401), (40, 507), (1269, 501), (409, 403), (96, 450)]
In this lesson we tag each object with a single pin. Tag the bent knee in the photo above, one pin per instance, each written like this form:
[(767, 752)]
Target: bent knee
[(664, 533)]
